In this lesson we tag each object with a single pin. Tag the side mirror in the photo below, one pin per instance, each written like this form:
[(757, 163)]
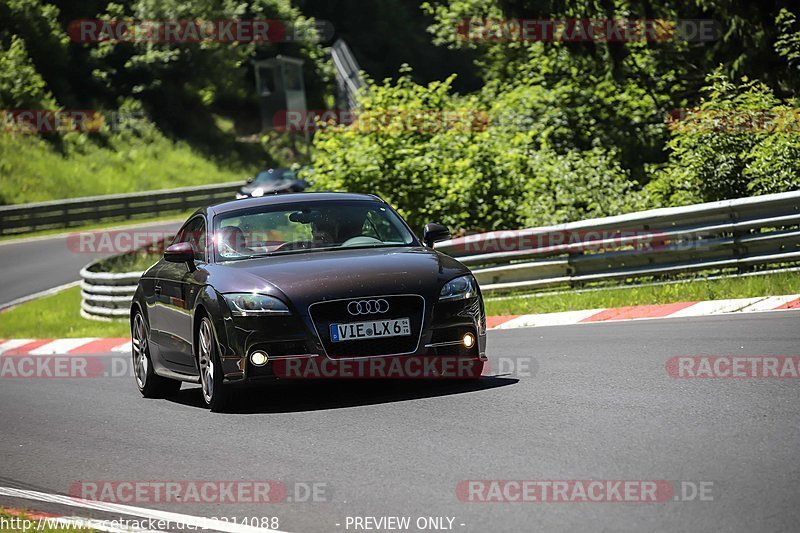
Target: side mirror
[(250, 179), (180, 252), (434, 233)]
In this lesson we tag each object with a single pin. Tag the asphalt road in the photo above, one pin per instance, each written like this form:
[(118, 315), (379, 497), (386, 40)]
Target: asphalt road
[(33, 265), (595, 402)]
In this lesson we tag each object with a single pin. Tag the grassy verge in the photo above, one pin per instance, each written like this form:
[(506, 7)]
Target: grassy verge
[(697, 289), (11, 520), (56, 316), (138, 261), (34, 170)]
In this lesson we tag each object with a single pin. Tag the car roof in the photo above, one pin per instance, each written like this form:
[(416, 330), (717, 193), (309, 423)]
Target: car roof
[(290, 198)]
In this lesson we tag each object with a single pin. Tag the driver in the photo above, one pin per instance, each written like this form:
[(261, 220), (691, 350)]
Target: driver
[(324, 230), (231, 241), (330, 231)]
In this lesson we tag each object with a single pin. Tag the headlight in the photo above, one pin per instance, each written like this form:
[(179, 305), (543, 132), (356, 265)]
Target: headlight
[(249, 304), (458, 289), (258, 191)]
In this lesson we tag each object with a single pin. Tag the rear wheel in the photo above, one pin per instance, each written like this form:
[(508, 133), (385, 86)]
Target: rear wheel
[(215, 393), (150, 384)]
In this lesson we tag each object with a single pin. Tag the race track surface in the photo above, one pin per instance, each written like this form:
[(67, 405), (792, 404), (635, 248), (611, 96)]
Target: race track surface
[(33, 265), (592, 401)]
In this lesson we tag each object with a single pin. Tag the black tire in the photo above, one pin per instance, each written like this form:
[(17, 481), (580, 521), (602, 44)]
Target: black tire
[(150, 384), (215, 393)]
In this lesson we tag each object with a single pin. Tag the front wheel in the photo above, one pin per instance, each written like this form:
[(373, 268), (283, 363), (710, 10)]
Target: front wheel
[(215, 393), (150, 384)]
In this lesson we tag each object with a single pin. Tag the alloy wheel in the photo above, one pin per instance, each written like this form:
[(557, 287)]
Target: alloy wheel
[(139, 351), (206, 359)]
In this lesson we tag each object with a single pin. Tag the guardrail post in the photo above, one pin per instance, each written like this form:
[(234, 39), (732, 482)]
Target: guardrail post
[(739, 249)]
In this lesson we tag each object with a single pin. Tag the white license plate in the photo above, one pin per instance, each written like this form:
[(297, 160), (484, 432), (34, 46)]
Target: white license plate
[(371, 329)]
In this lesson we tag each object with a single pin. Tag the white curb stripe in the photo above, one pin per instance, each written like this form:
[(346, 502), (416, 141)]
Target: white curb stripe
[(709, 308), (548, 319), (13, 343), (123, 347), (769, 303), (716, 307), (61, 346), (185, 519)]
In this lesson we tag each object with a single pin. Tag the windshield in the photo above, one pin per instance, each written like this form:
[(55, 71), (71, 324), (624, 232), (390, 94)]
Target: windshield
[(292, 228), (274, 175)]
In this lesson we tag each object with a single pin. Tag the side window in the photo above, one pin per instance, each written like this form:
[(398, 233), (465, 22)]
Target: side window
[(195, 234)]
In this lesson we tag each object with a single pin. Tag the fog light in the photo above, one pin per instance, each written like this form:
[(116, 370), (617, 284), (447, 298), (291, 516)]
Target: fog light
[(469, 340), (259, 358)]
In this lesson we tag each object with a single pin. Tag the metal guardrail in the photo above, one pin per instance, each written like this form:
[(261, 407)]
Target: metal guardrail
[(739, 234), (22, 218)]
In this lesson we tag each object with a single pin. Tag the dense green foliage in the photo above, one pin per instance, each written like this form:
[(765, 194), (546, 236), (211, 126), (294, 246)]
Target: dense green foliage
[(548, 132), (580, 129), (134, 160), (757, 153), (479, 176), (192, 100)]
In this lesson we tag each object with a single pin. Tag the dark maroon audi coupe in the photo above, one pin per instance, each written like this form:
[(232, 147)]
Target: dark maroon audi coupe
[(250, 287)]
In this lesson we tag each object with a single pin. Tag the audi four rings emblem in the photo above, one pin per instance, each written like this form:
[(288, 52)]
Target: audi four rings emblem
[(367, 307)]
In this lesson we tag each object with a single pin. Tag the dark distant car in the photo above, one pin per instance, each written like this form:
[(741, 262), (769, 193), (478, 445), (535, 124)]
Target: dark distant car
[(248, 285), (272, 181)]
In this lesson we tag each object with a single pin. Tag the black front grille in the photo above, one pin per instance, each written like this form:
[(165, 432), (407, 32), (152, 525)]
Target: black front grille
[(323, 314)]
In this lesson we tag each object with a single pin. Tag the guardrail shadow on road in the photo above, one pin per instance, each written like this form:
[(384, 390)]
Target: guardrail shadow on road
[(293, 397)]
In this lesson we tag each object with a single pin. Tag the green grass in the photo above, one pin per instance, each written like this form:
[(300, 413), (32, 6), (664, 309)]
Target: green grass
[(33, 170), (56, 316), (697, 289), (131, 262), (22, 522)]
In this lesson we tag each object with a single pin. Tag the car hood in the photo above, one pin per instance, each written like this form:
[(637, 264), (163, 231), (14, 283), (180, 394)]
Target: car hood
[(308, 277)]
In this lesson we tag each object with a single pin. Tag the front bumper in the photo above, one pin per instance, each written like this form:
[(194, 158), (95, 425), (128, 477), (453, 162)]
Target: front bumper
[(297, 338)]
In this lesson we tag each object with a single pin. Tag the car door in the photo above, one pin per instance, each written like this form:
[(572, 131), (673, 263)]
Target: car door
[(177, 286)]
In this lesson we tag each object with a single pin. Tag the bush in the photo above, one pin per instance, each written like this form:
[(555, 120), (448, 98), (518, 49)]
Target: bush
[(494, 174), (576, 186), (740, 141), (21, 86)]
